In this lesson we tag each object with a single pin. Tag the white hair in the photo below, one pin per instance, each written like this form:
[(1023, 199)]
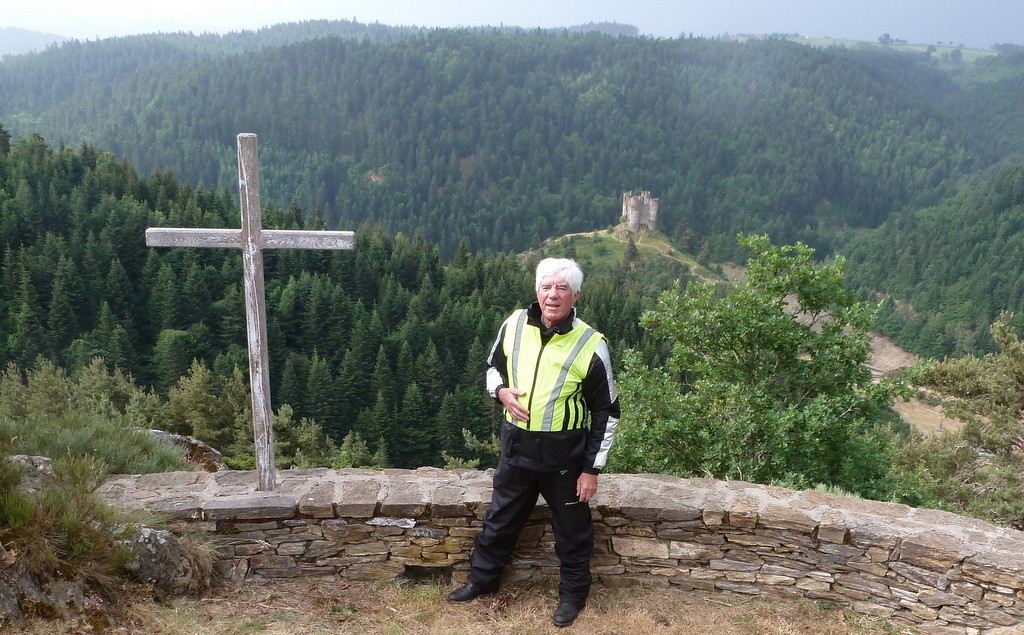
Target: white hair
[(564, 268)]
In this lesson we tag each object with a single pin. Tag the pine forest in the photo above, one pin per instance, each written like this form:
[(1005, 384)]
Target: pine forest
[(883, 190)]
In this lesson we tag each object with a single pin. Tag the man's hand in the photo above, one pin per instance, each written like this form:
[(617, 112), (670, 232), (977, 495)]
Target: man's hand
[(586, 487), (509, 397)]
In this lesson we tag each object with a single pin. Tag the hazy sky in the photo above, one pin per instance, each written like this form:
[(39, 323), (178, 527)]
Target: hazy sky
[(977, 23)]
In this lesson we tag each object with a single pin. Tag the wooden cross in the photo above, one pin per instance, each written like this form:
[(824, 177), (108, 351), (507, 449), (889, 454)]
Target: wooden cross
[(252, 240)]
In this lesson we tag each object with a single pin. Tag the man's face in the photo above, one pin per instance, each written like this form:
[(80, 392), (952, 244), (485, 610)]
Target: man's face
[(556, 299)]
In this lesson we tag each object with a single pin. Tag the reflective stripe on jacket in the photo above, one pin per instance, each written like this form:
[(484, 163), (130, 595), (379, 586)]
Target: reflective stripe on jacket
[(551, 373)]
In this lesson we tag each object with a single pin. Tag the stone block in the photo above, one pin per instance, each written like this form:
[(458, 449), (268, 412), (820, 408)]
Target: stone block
[(832, 527), (873, 608), (292, 549), (839, 553), (860, 582), (306, 534), (693, 551), (936, 599), (178, 481), (791, 538), (411, 551), (531, 534), (264, 526), (385, 532), (676, 534), (753, 540), (782, 517), (724, 564), (1002, 599), (464, 532), (743, 514), (183, 508), (639, 547), (625, 581), (777, 570), (808, 584), (318, 502), (738, 587), (932, 551), (920, 611), (447, 501), (967, 590), (367, 549), (344, 532), (781, 592), (995, 616), (853, 594), (323, 549), (872, 568), (357, 499), (249, 508), (642, 514), (873, 535), (425, 542), (955, 615), (999, 568), (713, 518), (386, 570), (639, 530), (251, 548), (922, 576), (271, 562), (774, 580)]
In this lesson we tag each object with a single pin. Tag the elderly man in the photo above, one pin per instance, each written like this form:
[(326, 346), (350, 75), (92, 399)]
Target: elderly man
[(552, 373)]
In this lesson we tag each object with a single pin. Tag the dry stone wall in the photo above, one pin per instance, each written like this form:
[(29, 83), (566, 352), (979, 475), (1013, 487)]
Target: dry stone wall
[(932, 569)]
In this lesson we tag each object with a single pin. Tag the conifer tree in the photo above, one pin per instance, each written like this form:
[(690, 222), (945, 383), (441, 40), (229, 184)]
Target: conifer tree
[(417, 431)]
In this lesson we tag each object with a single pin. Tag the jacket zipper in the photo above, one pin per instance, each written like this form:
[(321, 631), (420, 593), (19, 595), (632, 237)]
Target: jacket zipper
[(536, 368)]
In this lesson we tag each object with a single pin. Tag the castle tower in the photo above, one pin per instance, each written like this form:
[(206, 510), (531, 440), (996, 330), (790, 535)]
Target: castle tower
[(640, 211)]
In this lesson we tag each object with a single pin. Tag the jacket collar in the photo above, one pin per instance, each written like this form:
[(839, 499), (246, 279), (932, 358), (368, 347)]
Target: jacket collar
[(533, 318)]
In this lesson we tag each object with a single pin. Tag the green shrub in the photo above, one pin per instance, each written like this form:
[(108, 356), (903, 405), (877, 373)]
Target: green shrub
[(102, 415)]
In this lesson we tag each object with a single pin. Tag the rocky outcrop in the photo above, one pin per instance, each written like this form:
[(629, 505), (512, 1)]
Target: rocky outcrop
[(197, 453), (160, 559), (35, 471), (931, 569)]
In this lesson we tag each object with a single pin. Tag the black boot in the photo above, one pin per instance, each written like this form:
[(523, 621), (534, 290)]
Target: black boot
[(565, 614), (468, 592)]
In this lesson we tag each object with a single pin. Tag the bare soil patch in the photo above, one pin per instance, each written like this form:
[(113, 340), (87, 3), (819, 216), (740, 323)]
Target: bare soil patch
[(327, 606)]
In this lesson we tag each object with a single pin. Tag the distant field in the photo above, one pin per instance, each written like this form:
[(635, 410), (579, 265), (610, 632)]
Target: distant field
[(969, 55)]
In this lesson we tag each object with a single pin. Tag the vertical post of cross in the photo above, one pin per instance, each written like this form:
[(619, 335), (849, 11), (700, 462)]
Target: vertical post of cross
[(256, 309)]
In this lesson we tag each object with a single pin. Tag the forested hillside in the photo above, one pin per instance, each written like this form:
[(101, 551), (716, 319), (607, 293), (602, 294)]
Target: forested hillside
[(508, 137), (948, 271), (358, 339)]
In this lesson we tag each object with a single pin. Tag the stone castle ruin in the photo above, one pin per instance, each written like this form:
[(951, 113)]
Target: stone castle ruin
[(640, 211)]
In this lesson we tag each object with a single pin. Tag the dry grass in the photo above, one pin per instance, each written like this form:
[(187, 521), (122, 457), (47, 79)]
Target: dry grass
[(323, 606)]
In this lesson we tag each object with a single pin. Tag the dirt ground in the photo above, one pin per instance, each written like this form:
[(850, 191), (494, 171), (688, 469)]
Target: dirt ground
[(304, 606)]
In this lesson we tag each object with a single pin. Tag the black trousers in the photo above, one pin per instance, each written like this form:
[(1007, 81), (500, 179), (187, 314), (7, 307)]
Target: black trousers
[(512, 500)]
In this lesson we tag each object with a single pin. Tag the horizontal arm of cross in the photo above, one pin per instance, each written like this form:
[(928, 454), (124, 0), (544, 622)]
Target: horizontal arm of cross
[(271, 238)]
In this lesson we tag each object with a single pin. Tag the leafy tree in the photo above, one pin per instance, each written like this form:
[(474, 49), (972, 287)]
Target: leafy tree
[(767, 381)]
